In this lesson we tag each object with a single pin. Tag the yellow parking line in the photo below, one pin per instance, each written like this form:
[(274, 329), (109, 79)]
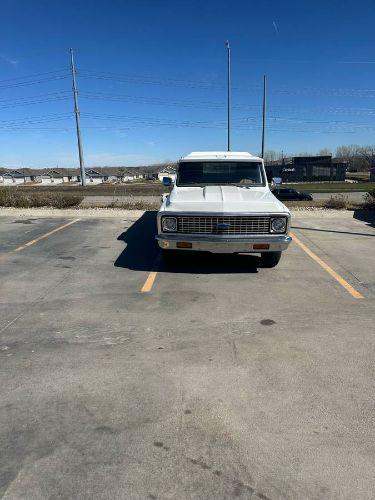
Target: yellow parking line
[(149, 283), (328, 269), (147, 287), (32, 242)]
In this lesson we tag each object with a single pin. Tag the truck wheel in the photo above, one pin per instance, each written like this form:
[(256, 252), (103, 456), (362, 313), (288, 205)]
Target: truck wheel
[(270, 259)]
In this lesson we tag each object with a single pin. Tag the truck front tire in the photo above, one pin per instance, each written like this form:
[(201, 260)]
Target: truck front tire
[(270, 259)]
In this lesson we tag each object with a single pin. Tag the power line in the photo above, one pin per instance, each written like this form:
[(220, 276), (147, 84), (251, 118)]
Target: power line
[(190, 103), (33, 82), (216, 105), (42, 117), (241, 122), (210, 105), (41, 101), (32, 121), (221, 127), (181, 82), (149, 79), (339, 91), (14, 103), (151, 119), (47, 94), (34, 75)]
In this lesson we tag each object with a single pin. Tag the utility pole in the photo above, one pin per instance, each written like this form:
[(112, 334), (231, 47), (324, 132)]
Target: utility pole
[(228, 94), (76, 111), (264, 115)]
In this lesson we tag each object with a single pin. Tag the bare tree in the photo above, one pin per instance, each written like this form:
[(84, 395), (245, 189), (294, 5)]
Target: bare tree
[(271, 155), (325, 152), (368, 153), (358, 157)]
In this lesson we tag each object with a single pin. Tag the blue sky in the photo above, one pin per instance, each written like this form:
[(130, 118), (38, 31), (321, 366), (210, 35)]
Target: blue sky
[(151, 78)]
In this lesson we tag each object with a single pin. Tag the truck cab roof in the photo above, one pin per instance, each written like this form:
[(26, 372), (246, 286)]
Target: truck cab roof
[(220, 156)]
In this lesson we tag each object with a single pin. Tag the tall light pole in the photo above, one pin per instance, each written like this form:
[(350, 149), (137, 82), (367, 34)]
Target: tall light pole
[(78, 126), (264, 115), (228, 94)]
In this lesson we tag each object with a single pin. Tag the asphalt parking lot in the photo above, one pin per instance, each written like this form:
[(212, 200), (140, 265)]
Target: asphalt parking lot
[(209, 378)]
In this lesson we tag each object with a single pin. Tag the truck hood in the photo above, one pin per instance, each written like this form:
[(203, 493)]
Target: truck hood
[(223, 199)]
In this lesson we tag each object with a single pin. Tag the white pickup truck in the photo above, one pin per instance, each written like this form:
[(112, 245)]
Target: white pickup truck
[(220, 202)]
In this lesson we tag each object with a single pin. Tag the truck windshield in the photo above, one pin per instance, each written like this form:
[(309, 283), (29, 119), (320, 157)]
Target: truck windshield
[(218, 173)]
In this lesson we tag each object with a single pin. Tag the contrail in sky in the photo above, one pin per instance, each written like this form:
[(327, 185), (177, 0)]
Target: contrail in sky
[(275, 26), (356, 62)]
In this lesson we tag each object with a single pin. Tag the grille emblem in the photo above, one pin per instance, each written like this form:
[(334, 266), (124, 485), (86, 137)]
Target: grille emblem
[(222, 227)]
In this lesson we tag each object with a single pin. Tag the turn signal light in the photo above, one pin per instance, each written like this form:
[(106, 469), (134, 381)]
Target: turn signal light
[(184, 244), (261, 246)]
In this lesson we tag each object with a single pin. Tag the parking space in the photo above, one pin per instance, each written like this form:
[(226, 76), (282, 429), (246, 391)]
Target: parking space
[(17, 231), (209, 377)]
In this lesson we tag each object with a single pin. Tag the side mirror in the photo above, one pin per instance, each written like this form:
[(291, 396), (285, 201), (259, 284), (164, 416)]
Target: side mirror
[(167, 181)]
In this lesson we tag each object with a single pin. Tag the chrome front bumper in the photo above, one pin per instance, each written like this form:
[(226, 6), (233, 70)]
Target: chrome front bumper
[(221, 244)]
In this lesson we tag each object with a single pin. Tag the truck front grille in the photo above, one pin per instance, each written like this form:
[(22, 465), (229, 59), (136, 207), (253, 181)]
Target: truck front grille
[(243, 224)]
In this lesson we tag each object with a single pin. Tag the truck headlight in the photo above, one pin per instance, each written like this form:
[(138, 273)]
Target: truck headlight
[(278, 225), (169, 224)]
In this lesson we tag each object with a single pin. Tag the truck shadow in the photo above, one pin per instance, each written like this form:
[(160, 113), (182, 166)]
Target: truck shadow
[(142, 253), (367, 216)]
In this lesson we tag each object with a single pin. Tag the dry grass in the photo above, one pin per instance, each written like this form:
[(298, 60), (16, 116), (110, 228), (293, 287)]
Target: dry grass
[(326, 205), (338, 201), (21, 198), (370, 200), (135, 205), (14, 197), (154, 188), (145, 188)]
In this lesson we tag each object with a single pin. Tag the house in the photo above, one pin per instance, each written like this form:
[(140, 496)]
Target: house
[(128, 176), (14, 177), (95, 176), (132, 174), (32, 175), (109, 174), (113, 174), (157, 172), (53, 176), (18, 176), (166, 173), (46, 176), (69, 174), (116, 174)]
